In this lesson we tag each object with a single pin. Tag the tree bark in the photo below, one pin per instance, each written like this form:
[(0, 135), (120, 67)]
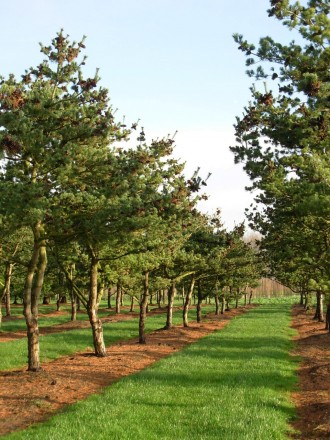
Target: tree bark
[(92, 306), (187, 301), (32, 289), (170, 297), (327, 318), (73, 307), (143, 308), (118, 298), (223, 302), (199, 302), (237, 299), (217, 303), (319, 314), (109, 298), (306, 301), (5, 294)]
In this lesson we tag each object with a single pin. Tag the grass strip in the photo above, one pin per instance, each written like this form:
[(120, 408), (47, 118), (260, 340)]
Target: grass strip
[(232, 385), (13, 354)]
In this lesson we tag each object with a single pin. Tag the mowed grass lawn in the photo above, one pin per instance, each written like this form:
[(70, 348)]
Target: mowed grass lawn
[(233, 384), (13, 354)]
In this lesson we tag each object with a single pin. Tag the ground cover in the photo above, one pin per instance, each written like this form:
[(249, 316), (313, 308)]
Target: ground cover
[(233, 384), (56, 343), (312, 398), (49, 316)]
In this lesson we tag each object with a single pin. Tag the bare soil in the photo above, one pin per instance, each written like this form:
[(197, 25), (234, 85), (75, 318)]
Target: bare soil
[(312, 399), (27, 398)]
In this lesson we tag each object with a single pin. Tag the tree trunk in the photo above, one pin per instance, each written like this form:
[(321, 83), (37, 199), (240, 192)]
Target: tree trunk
[(5, 294), (327, 318), (237, 299), (118, 298), (306, 301), (58, 304), (319, 315), (132, 304), (159, 298), (92, 307), (199, 302), (32, 289), (143, 308), (109, 298), (250, 297), (301, 298), (217, 303), (8, 274), (187, 301), (73, 307), (223, 302), (170, 297)]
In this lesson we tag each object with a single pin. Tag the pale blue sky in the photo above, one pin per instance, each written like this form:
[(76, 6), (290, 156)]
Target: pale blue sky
[(171, 63)]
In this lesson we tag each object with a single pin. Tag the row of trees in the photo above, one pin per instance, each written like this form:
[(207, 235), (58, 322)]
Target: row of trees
[(78, 209), (283, 141)]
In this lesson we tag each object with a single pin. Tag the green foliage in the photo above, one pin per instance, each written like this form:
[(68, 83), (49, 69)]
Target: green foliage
[(283, 142)]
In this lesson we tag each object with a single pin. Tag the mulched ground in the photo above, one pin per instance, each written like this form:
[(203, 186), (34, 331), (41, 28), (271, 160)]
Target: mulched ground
[(313, 396), (27, 398)]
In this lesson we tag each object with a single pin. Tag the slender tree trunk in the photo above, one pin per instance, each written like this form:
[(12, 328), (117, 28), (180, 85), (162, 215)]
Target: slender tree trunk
[(170, 297), (245, 298), (327, 318), (73, 297), (92, 307), (301, 303), (118, 298), (73, 307), (223, 302), (199, 301), (9, 271), (250, 297), (319, 314), (58, 303), (5, 294), (159, 298), (109, 298), (32, 289), (217, 303), (143, 308), (237, 299), (132, 304), (307, 301), (187, 301)]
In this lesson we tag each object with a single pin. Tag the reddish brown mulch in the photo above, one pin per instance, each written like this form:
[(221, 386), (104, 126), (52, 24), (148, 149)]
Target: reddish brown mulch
[(312, 399), (27, 398)]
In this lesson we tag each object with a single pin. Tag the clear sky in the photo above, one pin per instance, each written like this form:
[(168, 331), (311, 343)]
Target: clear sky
[(171, 63)]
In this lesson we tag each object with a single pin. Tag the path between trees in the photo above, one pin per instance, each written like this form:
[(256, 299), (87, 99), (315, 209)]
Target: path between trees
[(28, 398), (312, 399)]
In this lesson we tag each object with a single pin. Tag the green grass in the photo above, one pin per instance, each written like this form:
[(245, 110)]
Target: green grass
[(53, 346), (231, 385), (46, 321), (13, 325), (292, 299)]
